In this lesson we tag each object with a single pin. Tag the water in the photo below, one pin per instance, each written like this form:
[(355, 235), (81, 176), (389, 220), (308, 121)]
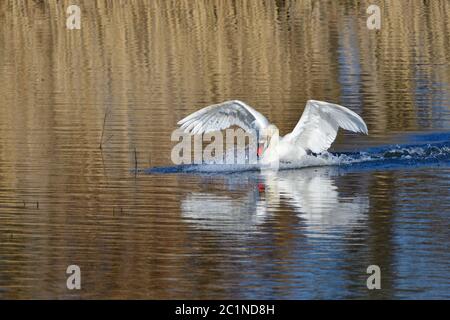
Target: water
[(381, 199)]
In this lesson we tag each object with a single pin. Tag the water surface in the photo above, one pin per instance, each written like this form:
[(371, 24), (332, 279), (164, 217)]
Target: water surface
[(308, 233)]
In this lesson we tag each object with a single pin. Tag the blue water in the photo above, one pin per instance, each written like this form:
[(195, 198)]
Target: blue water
[(386, 205)]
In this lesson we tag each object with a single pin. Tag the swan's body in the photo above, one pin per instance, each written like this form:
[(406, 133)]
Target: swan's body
[(315, 131)]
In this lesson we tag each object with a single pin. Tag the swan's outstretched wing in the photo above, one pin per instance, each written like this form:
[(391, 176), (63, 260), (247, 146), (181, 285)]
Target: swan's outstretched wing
[(223, 115), (225, 214), (319, 124)]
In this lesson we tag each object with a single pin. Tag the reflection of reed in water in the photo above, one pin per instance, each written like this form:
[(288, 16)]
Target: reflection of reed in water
[(180, 54)]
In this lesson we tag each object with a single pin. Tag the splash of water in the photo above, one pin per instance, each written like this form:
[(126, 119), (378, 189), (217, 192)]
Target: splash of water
[(389, 156)]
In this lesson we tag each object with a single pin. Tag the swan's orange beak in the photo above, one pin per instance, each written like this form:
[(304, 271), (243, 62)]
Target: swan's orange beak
[(259, 151), (261, 187)]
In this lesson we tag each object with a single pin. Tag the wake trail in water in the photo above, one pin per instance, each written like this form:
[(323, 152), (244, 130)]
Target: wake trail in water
[(388, 156)]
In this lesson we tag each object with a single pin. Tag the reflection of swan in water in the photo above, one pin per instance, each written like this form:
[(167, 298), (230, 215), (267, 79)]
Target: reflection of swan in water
[(224, 213), (311, 193), (314, 196)]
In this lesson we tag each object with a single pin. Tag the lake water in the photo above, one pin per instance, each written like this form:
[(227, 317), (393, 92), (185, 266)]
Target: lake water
[(295, 234)]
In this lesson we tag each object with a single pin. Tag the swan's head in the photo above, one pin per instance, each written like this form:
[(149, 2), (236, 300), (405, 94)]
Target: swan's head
[(268, 137)]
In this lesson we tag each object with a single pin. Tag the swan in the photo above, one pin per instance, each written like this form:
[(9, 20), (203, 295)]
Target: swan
[(314, 133)]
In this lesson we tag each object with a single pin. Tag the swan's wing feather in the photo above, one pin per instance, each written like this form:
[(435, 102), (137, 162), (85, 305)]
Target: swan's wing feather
[(221, 116), (320, 122)]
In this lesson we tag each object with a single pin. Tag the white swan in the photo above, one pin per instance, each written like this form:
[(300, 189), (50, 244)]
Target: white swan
[(315, 131)]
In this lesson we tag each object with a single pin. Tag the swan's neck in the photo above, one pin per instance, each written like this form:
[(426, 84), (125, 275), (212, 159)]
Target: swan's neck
[(274, 141), (271, 152)]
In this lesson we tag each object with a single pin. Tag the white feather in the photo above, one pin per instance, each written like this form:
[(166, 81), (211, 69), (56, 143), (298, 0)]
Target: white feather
[(223, 115), (318, 126)]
